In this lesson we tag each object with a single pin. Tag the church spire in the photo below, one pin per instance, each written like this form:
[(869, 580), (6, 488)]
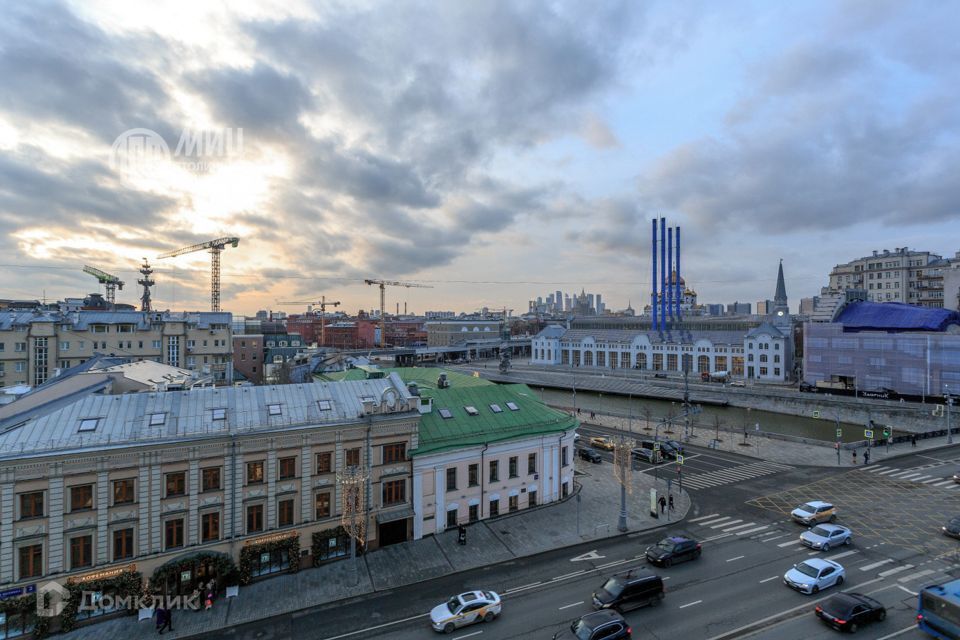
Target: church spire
[(780, 298)]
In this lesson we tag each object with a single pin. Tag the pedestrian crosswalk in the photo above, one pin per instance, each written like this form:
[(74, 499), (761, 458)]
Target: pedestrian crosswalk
[(732, 474), (929, 476)]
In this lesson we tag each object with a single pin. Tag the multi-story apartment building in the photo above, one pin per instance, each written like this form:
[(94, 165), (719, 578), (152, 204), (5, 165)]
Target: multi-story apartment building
[(113, 484), (445, 333), (248, 357), (901, 275), (34, 344)]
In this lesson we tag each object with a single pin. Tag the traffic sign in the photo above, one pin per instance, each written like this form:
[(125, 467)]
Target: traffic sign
[(868, 434), (839, 433), (679, 459), (886, 433)]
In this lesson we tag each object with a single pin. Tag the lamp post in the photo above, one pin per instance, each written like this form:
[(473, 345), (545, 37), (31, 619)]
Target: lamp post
[(949, 401), (838, 436)]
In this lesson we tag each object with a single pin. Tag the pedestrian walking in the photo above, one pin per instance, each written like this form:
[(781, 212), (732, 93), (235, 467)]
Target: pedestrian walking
[(854, 456), (195, 597), (866, 457), (578, 410), (462, 534), (169, 617), (670, 502), (663, 504), (208, 603), (161, 620), (913, 440)]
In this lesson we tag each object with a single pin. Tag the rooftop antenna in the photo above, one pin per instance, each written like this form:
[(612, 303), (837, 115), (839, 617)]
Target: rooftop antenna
[(146, 282)]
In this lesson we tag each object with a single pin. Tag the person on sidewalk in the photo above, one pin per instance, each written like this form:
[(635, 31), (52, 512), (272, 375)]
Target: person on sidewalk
[(663, 504), (670, 503), (913, 441), (462, 535), (161, 619), (866, 457), (854, 456)]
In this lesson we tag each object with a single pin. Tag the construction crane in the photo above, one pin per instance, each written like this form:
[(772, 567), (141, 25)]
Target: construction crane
[(323, 304), (110, 282), (383, 315), (215, 247)]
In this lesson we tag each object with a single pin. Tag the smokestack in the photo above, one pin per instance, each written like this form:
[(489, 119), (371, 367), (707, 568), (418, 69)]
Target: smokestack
[(679, 288), (663, 272), (669, 273), (653, 280)]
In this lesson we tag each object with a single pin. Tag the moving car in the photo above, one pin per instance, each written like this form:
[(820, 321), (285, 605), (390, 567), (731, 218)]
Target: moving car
[(646, 455), (952, 528), (466, 608), (826, 536), (849, 611), (629, 591), (602, 442), (590, 455), (738, 383), (814, 512), (672, 444), (956, 478), (814, 575), (606, 624), (673, 549)]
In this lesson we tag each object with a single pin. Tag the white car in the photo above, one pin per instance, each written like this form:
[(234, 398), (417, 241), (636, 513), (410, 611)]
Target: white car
[(826, 536), (464, 609), (814, 575)]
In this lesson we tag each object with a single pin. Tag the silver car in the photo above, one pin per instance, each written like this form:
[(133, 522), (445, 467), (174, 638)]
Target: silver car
[(466, 608), (826, 536)]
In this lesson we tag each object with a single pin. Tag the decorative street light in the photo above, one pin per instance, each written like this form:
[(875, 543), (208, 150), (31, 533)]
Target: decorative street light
[(353, 483), (949, 402)]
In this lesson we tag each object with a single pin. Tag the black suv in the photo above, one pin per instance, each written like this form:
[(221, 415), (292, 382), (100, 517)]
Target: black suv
[(629, 591), (673, 549), (608, 625), (590, 455), (847, 611)]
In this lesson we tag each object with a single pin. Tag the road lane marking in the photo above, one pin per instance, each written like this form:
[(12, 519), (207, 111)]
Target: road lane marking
[(737, 558), (379, 626), (842, 555), (722, 535), (475, 633), (569, 575), (787, 544), (589, 555), (769, 579), (890, 572), (739, 526), (932, 480), (523, 588), (567, 606), (689, 604), (774, 537), (874, 565), (725, 524), (875, 469), (944, 483), (613, 564), (712, 515), (898, 633), (888, 471), (754, 530), (913, 593), (709, 522), (914, 576)]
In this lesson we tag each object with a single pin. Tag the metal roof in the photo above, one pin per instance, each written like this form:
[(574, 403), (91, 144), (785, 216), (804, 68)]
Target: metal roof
[(124, 420), (81, 320), (895, 316)]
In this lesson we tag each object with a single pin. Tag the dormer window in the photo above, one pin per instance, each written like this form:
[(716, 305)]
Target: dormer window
[(88, 424), (218, 414), (274, 409), (496, 408), (324, 405), (445, 414), (513, 406), (471, 411), (157, 419)]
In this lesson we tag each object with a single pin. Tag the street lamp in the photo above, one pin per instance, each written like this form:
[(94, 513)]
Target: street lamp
[(949, 401)]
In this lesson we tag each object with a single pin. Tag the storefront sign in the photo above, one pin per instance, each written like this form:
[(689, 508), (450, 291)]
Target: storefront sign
[(274, 537), (11, 593), (102, 575), (185, 576)]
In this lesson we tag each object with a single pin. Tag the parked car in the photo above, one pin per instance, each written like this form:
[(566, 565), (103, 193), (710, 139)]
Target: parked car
[(607, 624), (814, 512), (850, 611), (602, 442), (814, 575), (673, 549), (629, 591), (590, 455), (646, 455), (952, 528), (738, 383), (826, 536), (466, 608), (956, 477)]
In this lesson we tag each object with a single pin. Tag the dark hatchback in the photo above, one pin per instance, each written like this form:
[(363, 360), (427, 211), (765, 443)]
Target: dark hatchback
[(671, 448), (606, 624), (850, 611), (673, 549), (952, 528), (590, 455)]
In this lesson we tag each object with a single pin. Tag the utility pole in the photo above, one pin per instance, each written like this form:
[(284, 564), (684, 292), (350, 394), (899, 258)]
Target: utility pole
[(946, 396)]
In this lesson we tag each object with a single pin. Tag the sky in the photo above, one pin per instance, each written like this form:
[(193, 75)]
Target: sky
[(493, 151)]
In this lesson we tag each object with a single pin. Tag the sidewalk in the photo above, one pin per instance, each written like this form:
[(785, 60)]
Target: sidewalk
[(523, 533), (767, 448)]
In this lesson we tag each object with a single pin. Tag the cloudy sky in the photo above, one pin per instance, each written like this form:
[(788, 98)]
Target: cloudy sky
[(494, 150)]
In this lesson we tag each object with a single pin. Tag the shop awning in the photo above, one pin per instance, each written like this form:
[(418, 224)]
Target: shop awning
[(393, 516)]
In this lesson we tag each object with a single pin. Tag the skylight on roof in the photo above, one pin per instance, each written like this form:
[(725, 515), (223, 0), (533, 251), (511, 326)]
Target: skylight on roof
[(496, 408), (157, 419), (274, 409), (513, 406), (324, 405), (445, 414), (471, 411), (88, 424), (219, 414), (367, 399)]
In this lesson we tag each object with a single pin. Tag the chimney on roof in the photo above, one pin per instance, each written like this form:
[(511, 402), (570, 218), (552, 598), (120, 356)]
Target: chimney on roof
[(874, 253)]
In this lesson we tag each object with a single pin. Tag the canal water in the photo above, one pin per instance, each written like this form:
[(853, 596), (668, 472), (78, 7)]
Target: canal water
[(735, 418)]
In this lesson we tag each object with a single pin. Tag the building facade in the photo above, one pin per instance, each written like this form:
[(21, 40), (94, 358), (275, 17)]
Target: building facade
[(901, 275), (33, 345), (451, 332), (248, 353)]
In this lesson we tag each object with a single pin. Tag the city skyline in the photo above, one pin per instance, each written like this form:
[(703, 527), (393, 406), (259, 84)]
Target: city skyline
[(512, 149)]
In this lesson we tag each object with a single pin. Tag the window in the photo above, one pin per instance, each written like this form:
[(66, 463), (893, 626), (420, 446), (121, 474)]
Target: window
[(157, 419), (452, 479), (20, 346), (122, 544), (494, 471), (274, 409), (81, 497), (352, 457), (322, 503), (210, 526), (473, 475), (494, 508), (285, 513), (80, 552), (173, 533), (123, 491), (88, 424), (255, 472), (64, 346), (513, 406), (496, 408), (31, 505), (452, 518), (31, 561), (531, 463), (471, 410), (324, 462), (254, 518), (445, 414), (514, 503), (563, 457), (394, 452), (176, 483), (324, 405), (210, 479), (394, 492), (218, 414), (513, 467), (288, 468), (763, 371)]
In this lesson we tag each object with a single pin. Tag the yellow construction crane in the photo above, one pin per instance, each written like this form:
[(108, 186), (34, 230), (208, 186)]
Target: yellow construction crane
[(110, 282), (383, 315), (215, 247), (323, 304)]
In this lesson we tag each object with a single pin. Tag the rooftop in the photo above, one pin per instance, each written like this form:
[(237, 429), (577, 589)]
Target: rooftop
[(895, 316)]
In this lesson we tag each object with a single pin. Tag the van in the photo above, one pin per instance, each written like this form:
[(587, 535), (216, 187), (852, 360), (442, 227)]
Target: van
[(629, 591)]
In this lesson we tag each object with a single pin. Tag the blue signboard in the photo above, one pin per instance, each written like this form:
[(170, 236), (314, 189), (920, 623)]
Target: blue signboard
[(11, 593)]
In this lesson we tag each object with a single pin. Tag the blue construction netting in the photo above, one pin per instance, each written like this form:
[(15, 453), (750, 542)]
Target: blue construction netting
[(895, 316)]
